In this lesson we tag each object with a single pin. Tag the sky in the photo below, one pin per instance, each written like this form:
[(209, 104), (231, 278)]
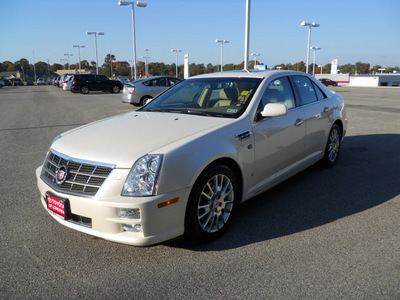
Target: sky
[(350, 30)]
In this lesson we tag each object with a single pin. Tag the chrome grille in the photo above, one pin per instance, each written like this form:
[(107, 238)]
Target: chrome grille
[(85, 177)]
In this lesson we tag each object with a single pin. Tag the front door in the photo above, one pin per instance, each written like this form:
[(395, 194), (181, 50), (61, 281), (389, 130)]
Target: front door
[(278, 141)]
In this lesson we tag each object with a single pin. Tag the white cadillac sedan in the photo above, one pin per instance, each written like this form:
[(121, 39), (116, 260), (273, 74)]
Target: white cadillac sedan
[(183, 163)]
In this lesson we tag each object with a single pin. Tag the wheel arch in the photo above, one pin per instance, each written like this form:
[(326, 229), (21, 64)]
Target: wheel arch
[(339, 123), (230, 163)]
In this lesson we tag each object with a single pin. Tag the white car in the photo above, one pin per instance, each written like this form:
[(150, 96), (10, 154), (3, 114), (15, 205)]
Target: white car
[(183, 163), (66, 86), (64, 79)]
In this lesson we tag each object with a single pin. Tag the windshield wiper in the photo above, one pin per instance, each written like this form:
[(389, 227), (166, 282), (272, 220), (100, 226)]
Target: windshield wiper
[(157, 110), (195, 112)]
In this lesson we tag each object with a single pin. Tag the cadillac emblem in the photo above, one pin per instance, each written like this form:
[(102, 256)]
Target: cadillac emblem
[(62, 174)]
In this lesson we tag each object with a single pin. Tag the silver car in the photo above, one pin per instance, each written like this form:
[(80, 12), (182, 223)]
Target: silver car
[(41, 81), (138, 92)]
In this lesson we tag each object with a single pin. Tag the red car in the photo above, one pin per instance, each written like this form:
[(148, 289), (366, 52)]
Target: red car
[(328, 82)]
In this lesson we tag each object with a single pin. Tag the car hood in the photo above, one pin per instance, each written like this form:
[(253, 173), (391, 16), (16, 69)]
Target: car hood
[(122, 139)]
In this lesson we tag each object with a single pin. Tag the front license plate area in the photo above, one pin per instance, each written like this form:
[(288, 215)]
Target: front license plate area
[(58, 205)]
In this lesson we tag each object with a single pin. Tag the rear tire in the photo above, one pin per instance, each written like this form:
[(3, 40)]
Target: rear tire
[(144, 100), (115, 89), (211, 204), (85, 90), (332, 148)]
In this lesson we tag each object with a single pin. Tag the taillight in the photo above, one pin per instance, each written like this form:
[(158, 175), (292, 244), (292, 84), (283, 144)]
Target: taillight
[(73, 81), (132, 91)]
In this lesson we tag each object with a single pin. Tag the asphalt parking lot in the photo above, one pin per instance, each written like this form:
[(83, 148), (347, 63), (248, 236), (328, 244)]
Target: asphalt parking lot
[(323, 234)]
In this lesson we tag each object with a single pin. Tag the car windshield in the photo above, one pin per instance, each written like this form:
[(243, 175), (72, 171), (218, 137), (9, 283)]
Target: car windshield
[(217, 97)]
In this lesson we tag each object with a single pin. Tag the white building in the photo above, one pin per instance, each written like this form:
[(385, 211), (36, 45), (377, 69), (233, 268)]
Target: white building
[(375, 80)]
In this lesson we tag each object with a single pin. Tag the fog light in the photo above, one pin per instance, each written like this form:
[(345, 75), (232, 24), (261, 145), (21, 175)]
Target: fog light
[(132, 227), (129, 213)]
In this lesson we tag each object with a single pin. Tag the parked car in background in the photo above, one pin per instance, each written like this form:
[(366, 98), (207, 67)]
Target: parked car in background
[(183, 163), (7, 82), (29, 82), (56, 81), (138, 92), (40, 81), (63, 79), (123, 79), (328, 82), (1, 83), (67, 83), (84, 83), (16, 81)]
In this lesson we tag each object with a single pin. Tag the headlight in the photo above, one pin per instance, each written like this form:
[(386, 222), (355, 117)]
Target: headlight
[(142, 178)]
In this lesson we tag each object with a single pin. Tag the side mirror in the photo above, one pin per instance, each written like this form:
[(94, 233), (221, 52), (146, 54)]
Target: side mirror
[(274, 110)]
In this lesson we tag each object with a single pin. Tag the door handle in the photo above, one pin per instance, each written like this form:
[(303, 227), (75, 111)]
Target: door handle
[(298, 122)]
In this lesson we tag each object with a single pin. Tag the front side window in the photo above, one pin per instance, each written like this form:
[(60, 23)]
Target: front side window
[(279, 91), (220, 97)]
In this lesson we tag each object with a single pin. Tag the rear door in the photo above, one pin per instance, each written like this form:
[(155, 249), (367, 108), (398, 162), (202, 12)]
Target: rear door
[(161, 85), (317, 109)]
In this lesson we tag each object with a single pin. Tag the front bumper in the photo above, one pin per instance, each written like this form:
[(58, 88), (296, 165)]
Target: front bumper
[(158, 224)]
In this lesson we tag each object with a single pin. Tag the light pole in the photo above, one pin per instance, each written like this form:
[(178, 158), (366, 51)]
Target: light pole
[(146, 67), (34, 63), (63, 60), (222, 51), (313, 24), (255, 58), (315, 50), (95, 33), (176, 51), (321, 68), (247, 36), (139, 4), (111, 64), (131, 67), (69, 69), (147, 61), (79, 55)]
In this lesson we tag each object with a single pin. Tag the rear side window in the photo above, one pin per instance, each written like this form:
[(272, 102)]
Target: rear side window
[(320, 94), (102, 77), (153, 82), (306, 89), (172, 81), (162, 81)]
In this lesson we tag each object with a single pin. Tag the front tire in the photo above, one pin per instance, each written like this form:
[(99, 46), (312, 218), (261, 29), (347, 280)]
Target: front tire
[(211, 204), (332, 148)]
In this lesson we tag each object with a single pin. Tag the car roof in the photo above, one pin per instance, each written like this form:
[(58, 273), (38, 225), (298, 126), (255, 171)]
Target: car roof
[(249, 74)]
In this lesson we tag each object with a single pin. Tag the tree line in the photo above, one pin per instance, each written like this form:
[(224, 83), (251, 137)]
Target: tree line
[(113, 68)]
